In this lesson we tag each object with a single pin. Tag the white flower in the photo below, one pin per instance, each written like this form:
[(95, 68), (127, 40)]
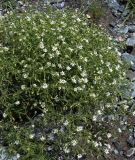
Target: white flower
[(132, 63), (79, 128), (75, 89), (66, 150), (34, 85), (106, 151), (62, 81), (59, 65), (134, 113), (119, 130), (78, 19), (99, 112), (62, 73), (79, 156), (109, 135), (108, 94), (45, 50), (96, 144), (42, 138), (73, 80), (4, 115), (110, 69), (48, 64), (94, 118), (66, 123), (74, 142), (49, 148), (31, 136), (52, 22), (17, 102), (88, 16), (45, 85), (92, 95), (85, 80), (54, 48), (68, 68), (25, 75), (17, 155), (41, 45), (23, 87)]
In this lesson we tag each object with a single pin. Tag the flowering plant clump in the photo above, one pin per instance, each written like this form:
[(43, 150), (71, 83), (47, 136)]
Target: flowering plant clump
[(60, 76)]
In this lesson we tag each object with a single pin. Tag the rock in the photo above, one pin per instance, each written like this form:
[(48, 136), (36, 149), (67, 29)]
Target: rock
[(130, 152), (131, 41), (4, 156), (130, 59), (131, 75), (123, 30), (113, 4), (131, 28), (116, 152), (131, 141), (133, 89)]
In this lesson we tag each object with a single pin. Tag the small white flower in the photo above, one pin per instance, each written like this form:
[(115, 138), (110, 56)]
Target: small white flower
[(94, 118), (62, 73), (93, 95), (132, 63), (4, 115), (42, 138), (79, 156), (49, 148), (45, 50), (45, 85), (119, 130), (34, 85), (25, 75), (134, 113), (62, 81), (66, 123), (31, 136), (96, 144), (85, 80), (74, 142), (109, 135), (23, 87), (73, 80), (108, 94), (79, 128), (66, 150), (68, 68), (17, 102), (54, 48), (17, 155), (106, 151), (41, 45)]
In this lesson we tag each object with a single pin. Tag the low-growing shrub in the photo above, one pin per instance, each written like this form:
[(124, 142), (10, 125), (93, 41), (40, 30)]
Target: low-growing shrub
[(60, 79)]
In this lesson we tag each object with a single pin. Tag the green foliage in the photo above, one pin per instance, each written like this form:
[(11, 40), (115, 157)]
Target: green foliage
[(60, 79)]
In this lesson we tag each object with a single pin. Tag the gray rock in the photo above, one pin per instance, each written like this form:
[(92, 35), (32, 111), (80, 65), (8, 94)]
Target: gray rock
[(129, 59), (131, 75), (130, 152), (131, 141), (123, 30), (4, 155), (133, 90), (131, 28), (113, 4), (131, 42)]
